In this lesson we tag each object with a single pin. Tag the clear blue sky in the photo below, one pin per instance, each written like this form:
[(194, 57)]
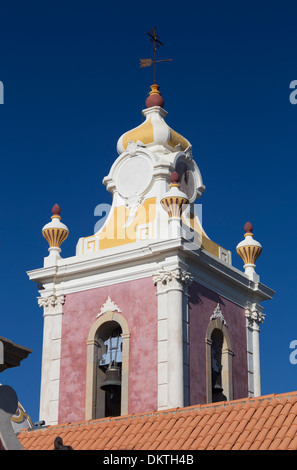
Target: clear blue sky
[(72, 86)]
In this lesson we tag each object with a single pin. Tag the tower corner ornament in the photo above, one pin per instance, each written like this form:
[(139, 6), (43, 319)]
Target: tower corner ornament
[(175, 201), (55, 232), (249, 249)]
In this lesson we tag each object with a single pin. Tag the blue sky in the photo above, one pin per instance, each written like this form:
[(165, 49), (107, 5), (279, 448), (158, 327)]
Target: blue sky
[(72, 86)]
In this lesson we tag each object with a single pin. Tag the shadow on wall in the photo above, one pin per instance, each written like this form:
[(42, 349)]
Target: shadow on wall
[(198, 292)]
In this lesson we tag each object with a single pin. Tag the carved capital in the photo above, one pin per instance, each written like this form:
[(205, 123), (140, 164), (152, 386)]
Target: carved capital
[(51, 301), (254, 315), (172, 279)]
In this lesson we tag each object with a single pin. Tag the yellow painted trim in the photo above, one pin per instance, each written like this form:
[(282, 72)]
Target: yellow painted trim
[(205, 242), (115, 233), (55, 236), (144, 133), (176, 139)]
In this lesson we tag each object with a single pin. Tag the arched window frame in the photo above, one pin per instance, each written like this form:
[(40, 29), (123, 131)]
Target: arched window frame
[(92, 362), (227, 354)]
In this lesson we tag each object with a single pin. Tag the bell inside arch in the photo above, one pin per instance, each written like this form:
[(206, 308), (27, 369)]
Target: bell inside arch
[(113, 375), (112, 382), (216, 366)]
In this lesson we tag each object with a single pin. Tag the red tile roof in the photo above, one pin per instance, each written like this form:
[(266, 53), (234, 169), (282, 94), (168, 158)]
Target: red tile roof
[(262, 423)]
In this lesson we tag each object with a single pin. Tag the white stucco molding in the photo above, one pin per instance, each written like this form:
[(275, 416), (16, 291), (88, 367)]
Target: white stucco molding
[(144, 259), (51, 301), (217, 313), (254, 315), (108, 306), (175, 278)]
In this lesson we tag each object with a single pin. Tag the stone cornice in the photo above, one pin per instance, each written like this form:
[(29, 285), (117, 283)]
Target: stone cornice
[(143, 260), (11, 354)]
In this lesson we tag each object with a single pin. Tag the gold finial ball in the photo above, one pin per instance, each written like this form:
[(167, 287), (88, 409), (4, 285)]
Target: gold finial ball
[(249, 249), (154, 98), (55, 232)]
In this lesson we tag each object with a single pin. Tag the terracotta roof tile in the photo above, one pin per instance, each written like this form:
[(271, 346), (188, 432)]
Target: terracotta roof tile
[(293, 444), (264, 423), (187, 444), (215, 440)]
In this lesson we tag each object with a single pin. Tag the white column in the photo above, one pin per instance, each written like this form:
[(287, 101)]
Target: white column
[(174, 227), (51, 354), (249, 270), (53, 257), (175, 345), (254, 317), (162, 345), (256, 354), (172, 337)]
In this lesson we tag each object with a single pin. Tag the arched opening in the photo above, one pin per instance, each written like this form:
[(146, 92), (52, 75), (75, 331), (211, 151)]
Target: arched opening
[(219, 384), (107, 367), (217, 389), (109, 371)]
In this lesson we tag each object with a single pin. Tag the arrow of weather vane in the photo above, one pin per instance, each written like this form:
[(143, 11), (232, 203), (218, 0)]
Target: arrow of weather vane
[(148, 62)]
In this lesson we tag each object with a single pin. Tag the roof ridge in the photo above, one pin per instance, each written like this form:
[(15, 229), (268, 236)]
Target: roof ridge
[(198, 407)]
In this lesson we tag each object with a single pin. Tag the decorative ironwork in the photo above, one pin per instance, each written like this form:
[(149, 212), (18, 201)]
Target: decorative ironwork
[(148, 62)]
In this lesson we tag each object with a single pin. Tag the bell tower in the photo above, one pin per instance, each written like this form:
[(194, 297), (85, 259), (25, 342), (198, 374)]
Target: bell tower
[(149, 313)]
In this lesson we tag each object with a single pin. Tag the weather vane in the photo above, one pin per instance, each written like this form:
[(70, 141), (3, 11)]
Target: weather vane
[(148, 62)]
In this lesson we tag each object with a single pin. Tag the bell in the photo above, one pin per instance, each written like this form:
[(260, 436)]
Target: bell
[(217, 388), (112, 382)]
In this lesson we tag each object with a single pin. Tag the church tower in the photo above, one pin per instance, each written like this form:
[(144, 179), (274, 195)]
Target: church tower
[(149, 313)]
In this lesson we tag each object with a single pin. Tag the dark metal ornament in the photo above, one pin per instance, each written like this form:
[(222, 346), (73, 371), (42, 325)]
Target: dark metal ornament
[(112, 382)]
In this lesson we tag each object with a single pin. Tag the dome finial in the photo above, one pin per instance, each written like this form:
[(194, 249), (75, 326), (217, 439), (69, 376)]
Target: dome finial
[(175, 200), (55, 234), (154, 98), (56, 211), (174, 179), (248, 228), (249, 250)]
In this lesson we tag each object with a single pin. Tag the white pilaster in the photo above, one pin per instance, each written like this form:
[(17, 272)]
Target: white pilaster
[(51, 354), (254, 317), (173, 361)]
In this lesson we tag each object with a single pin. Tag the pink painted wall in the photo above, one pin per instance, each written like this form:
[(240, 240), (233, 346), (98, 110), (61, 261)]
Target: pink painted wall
[(138, 303), (202, 303)]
